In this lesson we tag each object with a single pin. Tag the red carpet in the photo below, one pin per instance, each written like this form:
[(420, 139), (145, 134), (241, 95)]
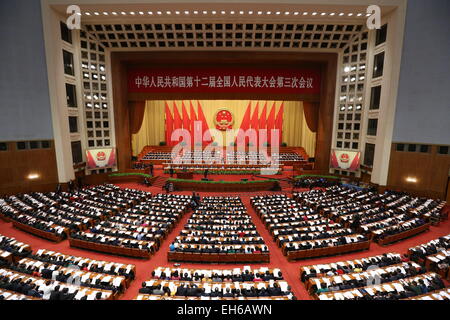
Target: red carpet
[(290, 270)]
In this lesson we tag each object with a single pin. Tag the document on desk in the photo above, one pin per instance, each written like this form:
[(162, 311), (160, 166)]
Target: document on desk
[(388, 288), (338, 279)]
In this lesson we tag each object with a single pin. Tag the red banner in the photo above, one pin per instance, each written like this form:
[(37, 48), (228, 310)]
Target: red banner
[(347, 160), (220, 80), (101, 158)]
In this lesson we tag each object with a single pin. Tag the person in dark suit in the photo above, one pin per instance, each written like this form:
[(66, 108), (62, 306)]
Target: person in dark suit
[(56, 294), (228, 293), (151, 169), (181, 290)]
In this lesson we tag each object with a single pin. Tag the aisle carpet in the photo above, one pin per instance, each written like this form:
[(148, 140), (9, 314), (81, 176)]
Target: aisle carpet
[(290, 270)]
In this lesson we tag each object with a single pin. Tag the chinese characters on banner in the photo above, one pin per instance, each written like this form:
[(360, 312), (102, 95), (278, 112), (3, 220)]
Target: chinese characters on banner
[(288, 81)]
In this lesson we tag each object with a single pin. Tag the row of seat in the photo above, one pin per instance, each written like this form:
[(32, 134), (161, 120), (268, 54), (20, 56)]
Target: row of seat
[(218, 257)]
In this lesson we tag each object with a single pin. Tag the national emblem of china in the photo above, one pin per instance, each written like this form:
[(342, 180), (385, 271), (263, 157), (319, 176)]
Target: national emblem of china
[(224, 120), (101, 156), (345, 158)]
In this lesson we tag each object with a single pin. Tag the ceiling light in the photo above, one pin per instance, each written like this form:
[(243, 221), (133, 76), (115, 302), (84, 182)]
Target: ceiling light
[(341, 14), (347, 69), (359, 14), (105, 13), (141, 13), (411, 179), (87, 13), (177, 12), (33, 176), (96, 13), (150, 12), (268, 12), (205, 12), (305, 13), (186, 12), (132, 13), (314, 13), (323, 13), (350, 14), (241, 12), (287, 13), (332, 14), (158, 12), (195, 12), (222, 12), (296, 13), (168, 12), (124, 13), (213, 12), (259, 12), (231, 12), (114, 13), (368, 15), (278, 12), (250, 12)]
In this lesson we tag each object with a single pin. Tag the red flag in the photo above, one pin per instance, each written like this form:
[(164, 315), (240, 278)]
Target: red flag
[(255, 121), (262, 118), (245, 124), (271, 122), (186, 120), (177, 122), (279, 123), (169, 124), (263, 124), (193, 119), (205, 127)]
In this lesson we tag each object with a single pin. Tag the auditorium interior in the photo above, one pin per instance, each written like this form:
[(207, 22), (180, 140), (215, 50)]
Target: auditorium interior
[(225, 150)]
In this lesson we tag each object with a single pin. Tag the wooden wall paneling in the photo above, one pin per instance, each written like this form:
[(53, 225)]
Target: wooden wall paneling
[(16, 165), (430, 169)]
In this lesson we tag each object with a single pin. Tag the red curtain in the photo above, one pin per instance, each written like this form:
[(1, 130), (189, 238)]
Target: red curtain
[(137, 110), (205, 127), (255, 121), (186, 120), (263, 124), (311, 110), (271, 123), (245, 124), (177, 122), (169, 125), (279, 122)]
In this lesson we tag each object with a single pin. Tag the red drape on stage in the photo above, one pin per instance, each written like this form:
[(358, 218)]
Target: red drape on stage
[(271, 123), (263, 124), (205, 128), (169, 124), (245, 124), (177, 122), (255, 119), (311, 110), (279, 122), (186, 120), (137, 110)]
